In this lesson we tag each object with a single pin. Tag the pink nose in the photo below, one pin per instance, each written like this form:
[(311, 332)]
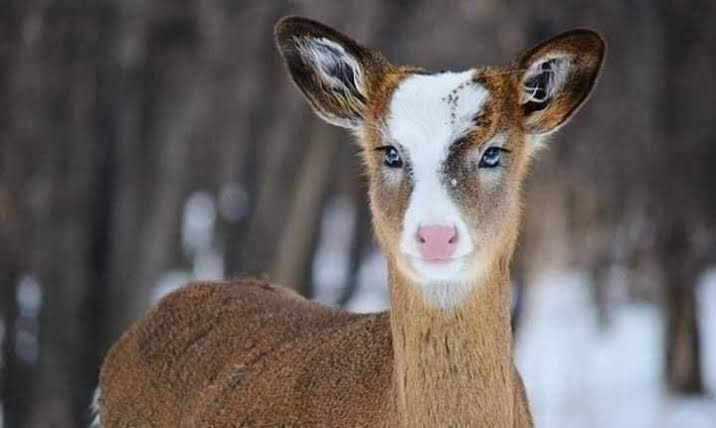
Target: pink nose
[(437, 243)]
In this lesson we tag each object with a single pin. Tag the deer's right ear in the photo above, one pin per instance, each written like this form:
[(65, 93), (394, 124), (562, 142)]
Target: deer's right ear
[(332, 70)]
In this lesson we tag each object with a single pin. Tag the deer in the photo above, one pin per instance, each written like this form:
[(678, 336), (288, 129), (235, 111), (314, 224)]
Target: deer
[(445, 155)]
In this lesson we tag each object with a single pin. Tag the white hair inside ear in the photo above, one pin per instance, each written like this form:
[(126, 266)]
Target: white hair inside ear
[(337, 77), (543, 79), (336, 68)]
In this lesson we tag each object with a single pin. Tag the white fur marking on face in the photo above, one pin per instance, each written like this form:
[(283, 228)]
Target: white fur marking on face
[(428, 113)]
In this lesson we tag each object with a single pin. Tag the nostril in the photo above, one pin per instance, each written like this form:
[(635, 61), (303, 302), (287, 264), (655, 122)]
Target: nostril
[(432, 235)]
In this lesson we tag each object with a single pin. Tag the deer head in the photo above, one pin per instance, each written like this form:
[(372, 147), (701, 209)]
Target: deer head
[(445, 153)]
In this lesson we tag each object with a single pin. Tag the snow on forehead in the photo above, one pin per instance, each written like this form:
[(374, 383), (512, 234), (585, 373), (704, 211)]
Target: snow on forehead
[(435, 107)]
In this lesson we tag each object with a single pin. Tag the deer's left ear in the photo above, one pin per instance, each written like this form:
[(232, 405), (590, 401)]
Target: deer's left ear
[(558, 76)]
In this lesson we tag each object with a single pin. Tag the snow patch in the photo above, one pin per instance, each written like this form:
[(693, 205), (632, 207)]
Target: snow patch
[(332, 258), (706, 312), (208, 264), (578, 374), (372, 292), (28, 296), (198, 222)]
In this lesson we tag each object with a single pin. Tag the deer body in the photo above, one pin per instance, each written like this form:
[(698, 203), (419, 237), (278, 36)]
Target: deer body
[(317, 367), (445, 155)]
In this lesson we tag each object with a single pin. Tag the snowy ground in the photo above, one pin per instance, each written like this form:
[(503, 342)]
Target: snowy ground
[(580, 375)]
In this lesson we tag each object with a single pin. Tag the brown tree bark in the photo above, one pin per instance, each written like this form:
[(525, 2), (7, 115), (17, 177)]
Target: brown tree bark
[(683, 351)]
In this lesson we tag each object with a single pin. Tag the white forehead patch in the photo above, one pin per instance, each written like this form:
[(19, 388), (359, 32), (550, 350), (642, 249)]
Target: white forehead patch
[(429, 112)]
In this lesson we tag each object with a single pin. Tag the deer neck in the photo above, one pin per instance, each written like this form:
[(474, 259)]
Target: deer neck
[(453, 367)]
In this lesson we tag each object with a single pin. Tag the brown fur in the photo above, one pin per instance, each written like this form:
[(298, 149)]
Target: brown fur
[(248, 353), (202, 358)]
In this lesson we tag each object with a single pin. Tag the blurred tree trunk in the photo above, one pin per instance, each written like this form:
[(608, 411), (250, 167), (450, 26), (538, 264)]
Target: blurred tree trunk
[(127, 92), (303, 218), (14, 388), (14, 215), (68, 249), (249, 74), (176, 106), (676, 209), (360, 244), (683, 351)]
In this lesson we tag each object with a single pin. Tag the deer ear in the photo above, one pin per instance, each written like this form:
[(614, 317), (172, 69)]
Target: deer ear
[(331, 70), (558, 76)]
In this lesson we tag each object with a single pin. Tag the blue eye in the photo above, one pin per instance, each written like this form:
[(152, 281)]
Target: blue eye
[(491, 158), (392, 158)]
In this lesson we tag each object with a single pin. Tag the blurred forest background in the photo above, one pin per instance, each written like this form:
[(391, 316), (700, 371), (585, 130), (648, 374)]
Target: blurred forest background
[(146, 143)]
